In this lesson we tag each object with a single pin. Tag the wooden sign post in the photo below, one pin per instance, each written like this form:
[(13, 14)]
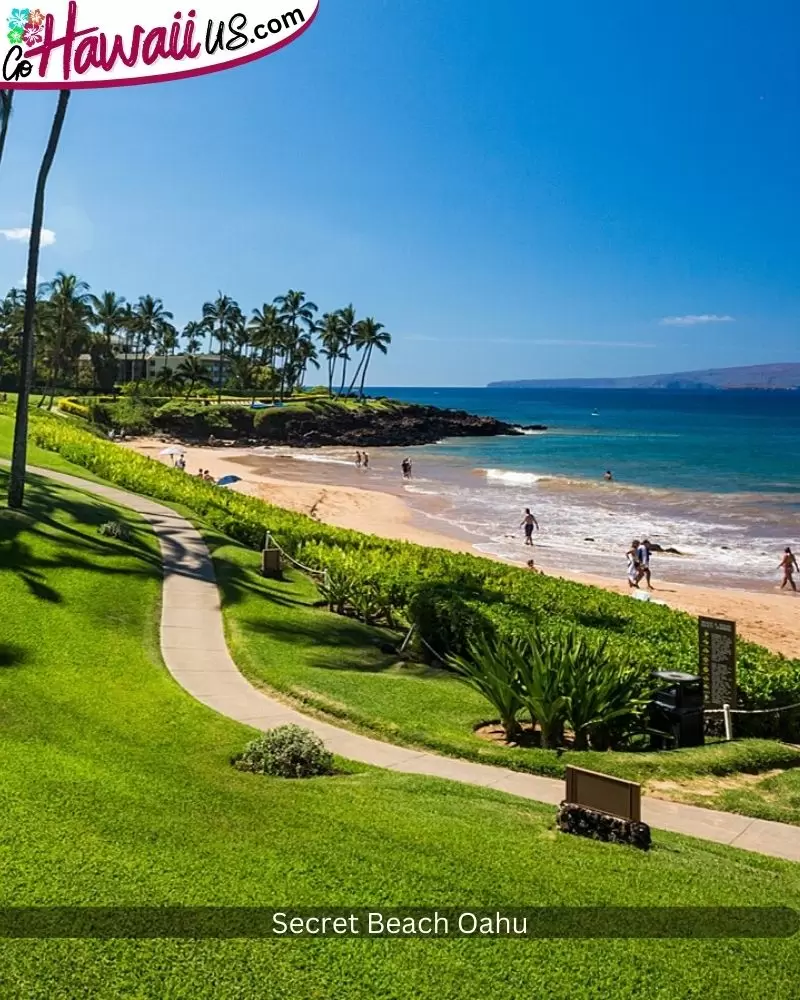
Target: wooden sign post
[(717, 643)]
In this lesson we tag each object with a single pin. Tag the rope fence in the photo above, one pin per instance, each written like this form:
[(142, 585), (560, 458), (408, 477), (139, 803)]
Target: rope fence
[(270, 543)]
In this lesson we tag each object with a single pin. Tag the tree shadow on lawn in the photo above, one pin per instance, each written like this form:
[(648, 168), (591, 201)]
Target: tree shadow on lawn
[(12, 655), (331, 642), (77, 550)]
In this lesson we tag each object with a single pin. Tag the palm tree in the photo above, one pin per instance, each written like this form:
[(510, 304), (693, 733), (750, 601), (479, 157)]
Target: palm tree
[(167, 341), (347, 319), (369, 334), (194, 372), (332, 340), (16, 486), (11, 310), (296, 314), (305, 354), (169, 382), (221, 318), (149, 319), (193, 334), (111, 315), (266, 335), (66, 318), (6, 102)]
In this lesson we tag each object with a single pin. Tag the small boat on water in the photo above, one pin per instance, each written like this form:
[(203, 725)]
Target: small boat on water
[(595, 413)]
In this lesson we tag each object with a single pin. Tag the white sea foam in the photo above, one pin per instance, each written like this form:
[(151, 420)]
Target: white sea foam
[(511, 478)]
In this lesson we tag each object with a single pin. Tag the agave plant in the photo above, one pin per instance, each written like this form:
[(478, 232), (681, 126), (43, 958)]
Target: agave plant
[(492, 667), (541, 675)]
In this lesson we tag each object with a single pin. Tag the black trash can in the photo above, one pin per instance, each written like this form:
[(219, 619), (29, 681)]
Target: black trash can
[(676, 711)]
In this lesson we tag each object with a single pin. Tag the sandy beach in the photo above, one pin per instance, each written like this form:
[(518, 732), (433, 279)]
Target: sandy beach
[(771, 618)]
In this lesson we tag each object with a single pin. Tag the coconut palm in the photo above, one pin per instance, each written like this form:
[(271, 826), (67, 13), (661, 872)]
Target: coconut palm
[(149, 320), (16, 486), (109, 314), (305, 354), (347, 321), (6, 103), (267, 335), (11, 311), (66, 318), (369, 334), (193, 372), (193, 334), (331, 337), (221, 318), (296, 314)]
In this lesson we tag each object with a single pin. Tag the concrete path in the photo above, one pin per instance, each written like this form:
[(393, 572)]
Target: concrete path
[(196, 654)]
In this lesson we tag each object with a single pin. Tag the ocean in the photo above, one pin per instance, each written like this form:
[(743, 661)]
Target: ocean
[(715, 475)]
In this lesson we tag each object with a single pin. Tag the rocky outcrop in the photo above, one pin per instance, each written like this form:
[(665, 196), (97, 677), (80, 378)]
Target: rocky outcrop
[(312, 426)]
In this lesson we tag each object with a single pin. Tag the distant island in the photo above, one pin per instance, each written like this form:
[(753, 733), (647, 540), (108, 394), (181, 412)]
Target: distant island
[(780, 376)]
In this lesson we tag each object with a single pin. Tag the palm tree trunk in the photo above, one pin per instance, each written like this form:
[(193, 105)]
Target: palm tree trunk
[(219, 375), (367, 359), (6, 101), (19, 455), (358, 372)]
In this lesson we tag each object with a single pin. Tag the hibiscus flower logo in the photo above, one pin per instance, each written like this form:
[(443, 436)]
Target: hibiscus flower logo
[(35, 18), (32, 34), (19, 18)]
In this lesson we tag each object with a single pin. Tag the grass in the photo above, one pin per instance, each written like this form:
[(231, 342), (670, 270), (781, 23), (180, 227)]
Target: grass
[(118, 791), (282, 639)]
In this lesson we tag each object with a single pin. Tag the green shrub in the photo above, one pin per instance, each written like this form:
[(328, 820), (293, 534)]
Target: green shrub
[(287, 752), (73, 408), (116, 529), (444, 621), (131, 415)]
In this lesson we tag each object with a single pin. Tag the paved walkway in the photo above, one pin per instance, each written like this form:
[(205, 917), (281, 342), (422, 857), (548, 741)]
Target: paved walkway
[(196, 654)]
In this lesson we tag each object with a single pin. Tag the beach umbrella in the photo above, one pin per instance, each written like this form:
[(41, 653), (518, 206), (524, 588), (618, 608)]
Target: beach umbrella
[(172, 452), (228, 480)]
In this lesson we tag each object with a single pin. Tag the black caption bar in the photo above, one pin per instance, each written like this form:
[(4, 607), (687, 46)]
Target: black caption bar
[(208, 922)]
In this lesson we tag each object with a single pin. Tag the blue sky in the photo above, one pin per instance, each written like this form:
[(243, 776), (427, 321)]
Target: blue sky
[(515, 189)]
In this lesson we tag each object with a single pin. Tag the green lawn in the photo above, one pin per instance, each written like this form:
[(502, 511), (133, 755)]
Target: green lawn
[(282, 639), (118, 791)]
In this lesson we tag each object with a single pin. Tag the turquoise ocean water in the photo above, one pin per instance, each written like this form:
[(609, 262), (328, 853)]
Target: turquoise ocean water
[(715, 475)]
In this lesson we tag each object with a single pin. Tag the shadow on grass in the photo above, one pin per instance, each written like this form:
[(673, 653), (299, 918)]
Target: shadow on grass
[(12, 655), (75, 549)]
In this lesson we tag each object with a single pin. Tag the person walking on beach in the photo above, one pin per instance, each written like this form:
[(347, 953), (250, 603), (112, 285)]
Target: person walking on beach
[(789, 565), (634, 569), (529, 522), (406, 468), (358, 459), (643, 559), (365, 460)]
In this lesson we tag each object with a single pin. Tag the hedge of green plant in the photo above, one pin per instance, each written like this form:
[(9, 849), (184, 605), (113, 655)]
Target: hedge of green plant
[(451, 596)]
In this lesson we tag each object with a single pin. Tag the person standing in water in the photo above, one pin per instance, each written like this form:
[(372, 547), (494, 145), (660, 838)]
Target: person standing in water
[(358, 460), (365, 460), (789, 565), (529, 522)]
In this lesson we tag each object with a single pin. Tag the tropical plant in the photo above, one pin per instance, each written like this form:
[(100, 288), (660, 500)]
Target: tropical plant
[(541, 677), (193, 372), (221, 318), (65, 319), (491, 667), (369, 334), (347, 328), (193, 334), (148, 322), (109, 314), (332, 340)]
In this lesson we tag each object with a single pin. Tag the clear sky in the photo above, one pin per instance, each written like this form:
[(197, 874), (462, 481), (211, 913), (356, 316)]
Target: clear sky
[(515, 189)]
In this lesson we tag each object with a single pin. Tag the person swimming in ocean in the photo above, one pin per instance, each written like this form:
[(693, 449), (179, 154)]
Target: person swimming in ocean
[(609, 477), (789, 565), (529, 522)]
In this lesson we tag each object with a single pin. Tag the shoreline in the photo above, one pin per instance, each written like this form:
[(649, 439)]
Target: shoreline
[(768, 617)]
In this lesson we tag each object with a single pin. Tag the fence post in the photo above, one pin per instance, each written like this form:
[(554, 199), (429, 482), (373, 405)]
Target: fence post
[(267, 540), (726, 715), (407, 639)]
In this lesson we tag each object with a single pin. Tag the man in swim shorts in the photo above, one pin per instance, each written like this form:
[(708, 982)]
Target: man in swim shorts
[(529, 522)]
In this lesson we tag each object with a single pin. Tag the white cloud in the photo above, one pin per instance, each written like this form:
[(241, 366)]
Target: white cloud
[(531, 343), (23, 236), (695, 320)]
